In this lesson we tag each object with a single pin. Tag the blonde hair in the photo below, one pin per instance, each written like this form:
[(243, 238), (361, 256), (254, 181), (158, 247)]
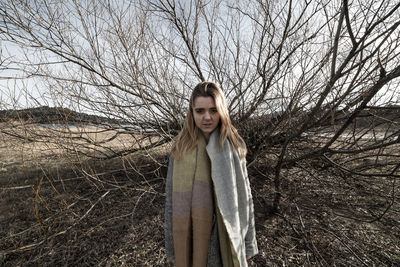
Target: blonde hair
[(190, 133)]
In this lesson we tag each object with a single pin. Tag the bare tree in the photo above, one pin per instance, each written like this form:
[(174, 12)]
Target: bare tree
[(311, 84)]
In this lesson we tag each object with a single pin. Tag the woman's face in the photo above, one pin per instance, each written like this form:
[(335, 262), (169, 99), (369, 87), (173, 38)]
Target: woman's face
[(206, 116)]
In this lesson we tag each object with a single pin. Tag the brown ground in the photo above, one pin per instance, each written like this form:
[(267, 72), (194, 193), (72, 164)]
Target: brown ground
[(58, 209)]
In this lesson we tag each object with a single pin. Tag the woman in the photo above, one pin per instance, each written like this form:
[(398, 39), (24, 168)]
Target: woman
[(209, 217)]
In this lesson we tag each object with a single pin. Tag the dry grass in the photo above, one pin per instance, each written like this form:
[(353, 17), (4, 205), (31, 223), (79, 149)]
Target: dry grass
[(59, 208), (78, 212), (54, 146)]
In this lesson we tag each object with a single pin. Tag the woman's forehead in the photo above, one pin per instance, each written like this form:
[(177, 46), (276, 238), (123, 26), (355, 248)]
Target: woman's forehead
[(204, 102)]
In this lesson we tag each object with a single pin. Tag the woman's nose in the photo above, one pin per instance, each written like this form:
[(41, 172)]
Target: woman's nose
[(207, 116)]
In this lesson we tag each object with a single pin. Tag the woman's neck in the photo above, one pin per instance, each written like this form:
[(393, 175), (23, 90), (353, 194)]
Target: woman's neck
[(206, 136)]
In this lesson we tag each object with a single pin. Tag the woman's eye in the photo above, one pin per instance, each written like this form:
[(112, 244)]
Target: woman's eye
[(214, 111), (200, 111)]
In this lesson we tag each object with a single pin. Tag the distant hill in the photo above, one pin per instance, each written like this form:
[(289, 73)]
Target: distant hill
[(371, 116), (375, 116), (53, 115)]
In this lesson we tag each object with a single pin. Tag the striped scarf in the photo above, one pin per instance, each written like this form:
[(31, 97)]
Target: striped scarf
[(192, 207)]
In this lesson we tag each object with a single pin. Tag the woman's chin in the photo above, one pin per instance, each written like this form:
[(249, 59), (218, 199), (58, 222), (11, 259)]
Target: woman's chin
[(207, 130)]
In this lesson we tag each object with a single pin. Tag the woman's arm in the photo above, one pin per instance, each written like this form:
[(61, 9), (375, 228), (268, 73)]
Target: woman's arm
[(169, 242)]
